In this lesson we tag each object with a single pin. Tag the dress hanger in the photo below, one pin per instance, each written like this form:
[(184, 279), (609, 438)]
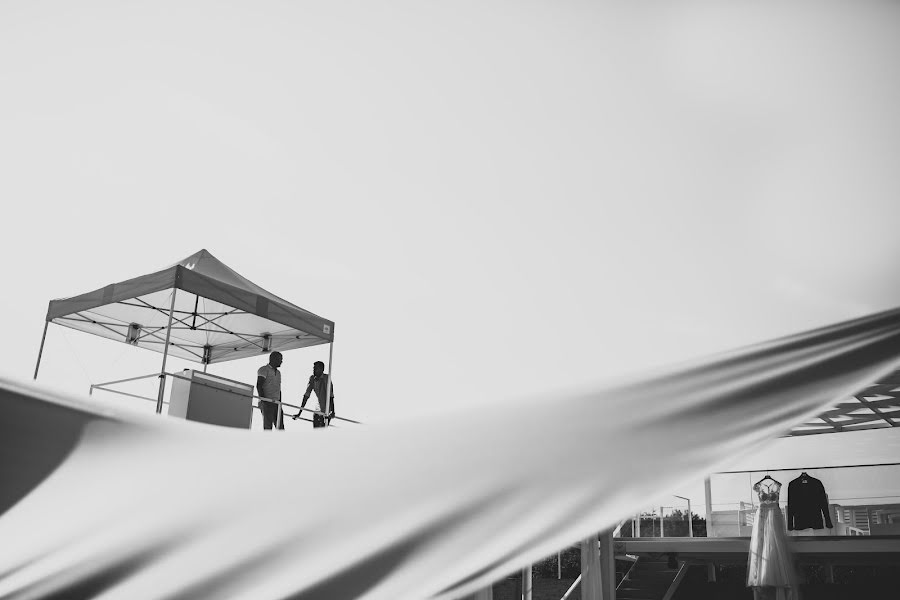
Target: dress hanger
[(764, 478)]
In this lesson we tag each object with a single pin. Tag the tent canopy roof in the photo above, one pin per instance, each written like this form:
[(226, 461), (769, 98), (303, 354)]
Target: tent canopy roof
[(218, 315)]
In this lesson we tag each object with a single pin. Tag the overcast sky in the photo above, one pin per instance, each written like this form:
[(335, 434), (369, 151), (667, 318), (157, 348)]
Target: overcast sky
[(491, 200)]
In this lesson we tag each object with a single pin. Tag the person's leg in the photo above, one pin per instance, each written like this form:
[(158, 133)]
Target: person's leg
[(267, 409), (318, 421), (280, 417)]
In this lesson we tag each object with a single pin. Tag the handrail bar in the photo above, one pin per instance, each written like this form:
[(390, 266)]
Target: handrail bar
[(125, 380), (102, 386), (571, 588), (673, 587), (301, 409)]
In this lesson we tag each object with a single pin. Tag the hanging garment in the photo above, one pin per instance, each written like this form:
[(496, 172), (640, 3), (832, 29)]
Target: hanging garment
[(770, 568), (807, 504)]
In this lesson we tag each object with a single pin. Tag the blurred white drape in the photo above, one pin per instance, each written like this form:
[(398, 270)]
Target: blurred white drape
[(113, 506)]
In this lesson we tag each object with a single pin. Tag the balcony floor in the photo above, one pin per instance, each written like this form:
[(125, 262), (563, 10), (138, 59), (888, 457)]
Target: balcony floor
[(864, 549)]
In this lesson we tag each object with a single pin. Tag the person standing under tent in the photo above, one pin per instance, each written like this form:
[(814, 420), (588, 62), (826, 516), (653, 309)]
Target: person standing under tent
[(318, 381), (268, 385)]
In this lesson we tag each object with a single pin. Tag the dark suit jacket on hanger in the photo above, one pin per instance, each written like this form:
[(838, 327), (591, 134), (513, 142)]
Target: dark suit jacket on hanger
[(807, 504)]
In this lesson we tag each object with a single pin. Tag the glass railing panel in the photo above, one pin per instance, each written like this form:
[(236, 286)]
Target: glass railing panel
[(858, 500)]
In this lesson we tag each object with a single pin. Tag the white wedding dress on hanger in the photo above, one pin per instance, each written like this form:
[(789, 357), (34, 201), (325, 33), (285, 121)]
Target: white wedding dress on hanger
[(770, 567)]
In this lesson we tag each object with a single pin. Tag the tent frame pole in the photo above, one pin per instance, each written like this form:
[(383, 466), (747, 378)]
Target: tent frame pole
[(162, 371), (41, 351), (327, 406)]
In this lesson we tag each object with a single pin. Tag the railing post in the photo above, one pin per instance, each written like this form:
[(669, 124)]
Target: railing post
[(662, 529), (526, 583), (327, 404), (591, 583), (607, 567), (690, 520)]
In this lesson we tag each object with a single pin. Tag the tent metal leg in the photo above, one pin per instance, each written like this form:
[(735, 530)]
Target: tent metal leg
[(327, 406), (279, 419), (162, 372), (41, 351)]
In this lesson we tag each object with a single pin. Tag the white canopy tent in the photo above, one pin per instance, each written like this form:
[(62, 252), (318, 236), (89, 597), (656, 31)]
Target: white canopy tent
[(198, 309)]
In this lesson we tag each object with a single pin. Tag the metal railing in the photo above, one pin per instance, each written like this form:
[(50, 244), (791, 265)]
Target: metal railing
[(860, 496), (105, 387), (659, 521)]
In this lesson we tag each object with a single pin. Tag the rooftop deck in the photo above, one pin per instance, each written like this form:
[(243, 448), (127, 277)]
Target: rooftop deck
[(866, 549)]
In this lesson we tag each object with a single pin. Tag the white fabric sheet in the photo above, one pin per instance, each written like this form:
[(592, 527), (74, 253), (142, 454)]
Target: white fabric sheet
[(120, 506)]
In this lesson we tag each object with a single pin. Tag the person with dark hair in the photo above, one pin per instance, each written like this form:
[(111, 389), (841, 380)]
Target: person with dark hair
[(268, 385), (318, 381)]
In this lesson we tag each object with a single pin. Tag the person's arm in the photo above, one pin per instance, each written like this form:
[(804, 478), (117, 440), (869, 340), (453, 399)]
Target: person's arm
[(305, 398), (260, 382)]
